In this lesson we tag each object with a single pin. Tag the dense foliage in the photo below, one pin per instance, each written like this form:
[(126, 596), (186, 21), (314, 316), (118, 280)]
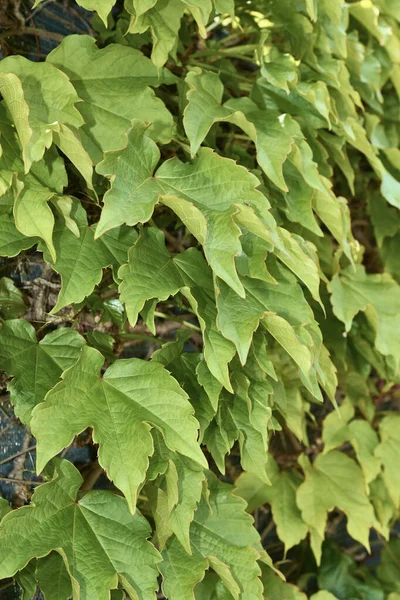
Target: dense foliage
[(216, 187)]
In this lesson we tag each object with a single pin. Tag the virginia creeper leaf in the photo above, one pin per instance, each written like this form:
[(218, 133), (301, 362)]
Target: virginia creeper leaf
[(134, 396), (36, 367), (99, 525)]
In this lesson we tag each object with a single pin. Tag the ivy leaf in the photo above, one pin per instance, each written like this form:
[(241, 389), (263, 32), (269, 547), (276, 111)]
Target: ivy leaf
[(388, 569), (355, 291), (36, 122), (36, 367), (338, 574), (296, 254), (204, 106), (199, 291), (214, 186), (174, 496), (281, 495), (339, 428), (71, 146), (207, 205), (131, 394), (150, 273), (53, 578), (134, 192), (389, 453), (163, 20), (241, 416), (231, 547), (194, 376), (114, 86), (238, 321), (276, 589), (334, 480), (31, 192), (12, 304), (33, 216), (12, 241), (102, 7), (272, 134), (99, 525), (27, 581), (4, 507), (272, 138), (81, 260), (323, 595)]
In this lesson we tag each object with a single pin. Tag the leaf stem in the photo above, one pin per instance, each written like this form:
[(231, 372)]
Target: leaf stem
[(161, 315)]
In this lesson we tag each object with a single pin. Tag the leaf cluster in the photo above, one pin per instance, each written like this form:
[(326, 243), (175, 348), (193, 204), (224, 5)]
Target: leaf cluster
[(213, 189)]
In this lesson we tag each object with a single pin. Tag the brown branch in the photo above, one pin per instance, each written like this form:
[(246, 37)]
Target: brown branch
[(51, 35), (21, 492), (91, 475), (16, 455)]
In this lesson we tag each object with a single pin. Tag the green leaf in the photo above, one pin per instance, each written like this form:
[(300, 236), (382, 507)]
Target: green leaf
[(323, 595), (36, 122), (114, 86), (237, 321), (355, 291), (150, 273), (26, 579), (271, 136), (4, 507), (230, 547), (389, 568), (339, 427), (174, 497), (12, 241), (338, 575), (99, 525), (194, 376), (12, 304), (192, 191), (102, 7), (389, 453), (241, 416), (36, 367), (285, 335), (124, 202), (81, 260), (281, 495), (204, 106), (33, 216), (53, 578), (163, 20), (71, 146), (334, 480), (214, 186), (218, 351), (131, 394), (276, 589)]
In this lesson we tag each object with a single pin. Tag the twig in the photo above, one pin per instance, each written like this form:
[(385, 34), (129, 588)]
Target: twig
[(20, 453), (173, 241), (25, 482), (38, 9), (161, 315), (90, 477), (21, 492), (6, 428), (53, 286), (51, 35)]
